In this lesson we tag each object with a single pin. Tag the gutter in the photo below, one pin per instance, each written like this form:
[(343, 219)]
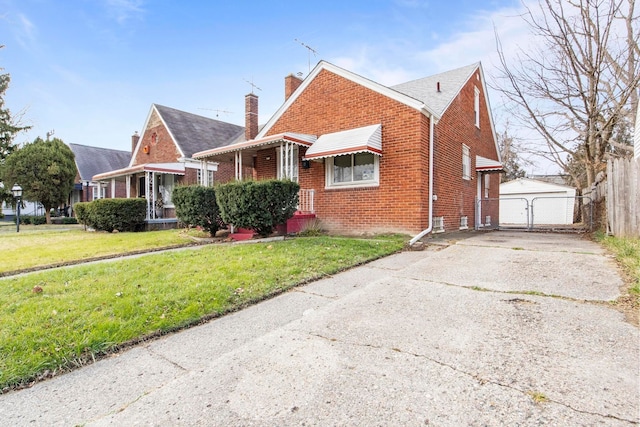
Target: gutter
[(429, 228)]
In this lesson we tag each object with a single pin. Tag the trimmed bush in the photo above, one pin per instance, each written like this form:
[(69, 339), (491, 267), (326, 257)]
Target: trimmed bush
[(114, 214), (258, 205), (80, 210), (31, 219), (196, 206)]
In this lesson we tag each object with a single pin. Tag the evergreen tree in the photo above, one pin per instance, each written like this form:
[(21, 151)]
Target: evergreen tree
[(46, 170)]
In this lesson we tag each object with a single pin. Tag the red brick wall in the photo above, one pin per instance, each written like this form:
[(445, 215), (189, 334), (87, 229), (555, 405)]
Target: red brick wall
[(330, 104), (457, 196), (157, 139)]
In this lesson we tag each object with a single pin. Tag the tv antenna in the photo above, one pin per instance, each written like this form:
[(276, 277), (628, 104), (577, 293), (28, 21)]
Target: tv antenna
[(50, 133), (310, 50), (253, 86), (217, 111)]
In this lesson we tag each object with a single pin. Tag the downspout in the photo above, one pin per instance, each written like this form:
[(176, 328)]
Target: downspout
[(430, 226)]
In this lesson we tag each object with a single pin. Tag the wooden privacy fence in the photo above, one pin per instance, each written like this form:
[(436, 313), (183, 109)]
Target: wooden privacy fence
[(623, 197)]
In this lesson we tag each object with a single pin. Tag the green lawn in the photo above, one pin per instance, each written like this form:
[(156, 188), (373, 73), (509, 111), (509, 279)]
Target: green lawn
[(44, 245), (88, 310), (627, 252)]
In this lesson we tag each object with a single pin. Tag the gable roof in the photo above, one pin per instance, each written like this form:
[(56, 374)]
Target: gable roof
[(528, 185), (192, 133), (426, 88), (91, 161), (370, 84), (420, 94)]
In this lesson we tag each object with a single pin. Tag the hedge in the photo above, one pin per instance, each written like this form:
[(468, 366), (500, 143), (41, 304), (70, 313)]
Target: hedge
[(196, 206), (31, 219), (257, 205), (113, 214)]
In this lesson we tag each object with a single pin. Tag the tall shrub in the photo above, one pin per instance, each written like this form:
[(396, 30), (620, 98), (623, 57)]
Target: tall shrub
[(258, 205), (196, 206)]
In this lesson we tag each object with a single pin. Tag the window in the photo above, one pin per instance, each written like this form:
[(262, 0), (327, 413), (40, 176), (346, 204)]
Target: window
[(476, 106), (99, 192), (487, 182), (209, 176), (165, 188), (438, 224), (466, 162), (353, 170), (464, 222)]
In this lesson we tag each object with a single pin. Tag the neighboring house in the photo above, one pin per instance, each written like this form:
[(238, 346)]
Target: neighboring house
[(90, 161), (549, 204), (162, 158), (372, 158)]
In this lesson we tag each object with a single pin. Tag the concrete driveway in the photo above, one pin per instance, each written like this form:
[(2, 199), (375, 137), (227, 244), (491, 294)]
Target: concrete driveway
[(497, 329)]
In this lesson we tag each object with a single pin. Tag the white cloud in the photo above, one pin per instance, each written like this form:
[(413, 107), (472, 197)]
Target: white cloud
[(124, 10)]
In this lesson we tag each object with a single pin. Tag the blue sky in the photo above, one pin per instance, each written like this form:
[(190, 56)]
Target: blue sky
[(90, 69)]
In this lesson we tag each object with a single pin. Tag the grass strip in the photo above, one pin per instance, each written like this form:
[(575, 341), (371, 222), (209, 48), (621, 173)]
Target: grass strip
[(85, 311), (45, 246), (627, 253)]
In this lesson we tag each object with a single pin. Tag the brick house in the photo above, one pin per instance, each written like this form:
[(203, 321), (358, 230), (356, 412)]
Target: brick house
[(91, 161), (161, 158), (410, 158)]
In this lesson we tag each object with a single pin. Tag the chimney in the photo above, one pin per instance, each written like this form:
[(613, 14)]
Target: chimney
[(134, 141), (250, 116), (291, 83)]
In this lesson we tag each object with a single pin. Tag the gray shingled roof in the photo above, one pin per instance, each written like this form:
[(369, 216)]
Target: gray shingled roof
[(425, 89), (195, 133), (91, 161)]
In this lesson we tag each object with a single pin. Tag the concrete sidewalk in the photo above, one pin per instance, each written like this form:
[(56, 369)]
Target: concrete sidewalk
[(497, 329)]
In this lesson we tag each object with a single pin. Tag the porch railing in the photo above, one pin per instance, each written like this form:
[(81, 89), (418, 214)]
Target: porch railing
[(305, 201)]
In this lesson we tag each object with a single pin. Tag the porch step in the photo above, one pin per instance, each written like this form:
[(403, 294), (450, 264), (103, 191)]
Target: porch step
[(242, 234), (298, 221)]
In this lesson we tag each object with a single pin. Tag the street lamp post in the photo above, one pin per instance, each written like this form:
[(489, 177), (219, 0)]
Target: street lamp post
[(17, 193)]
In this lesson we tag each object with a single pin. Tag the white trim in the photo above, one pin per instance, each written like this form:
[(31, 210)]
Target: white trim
[(476, 106), (329, 184), (146, 124), (466, 162), (369, 84)]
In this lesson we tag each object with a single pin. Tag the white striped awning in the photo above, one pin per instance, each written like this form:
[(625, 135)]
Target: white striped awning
[(484, 164), (287, 137), (365, 139)]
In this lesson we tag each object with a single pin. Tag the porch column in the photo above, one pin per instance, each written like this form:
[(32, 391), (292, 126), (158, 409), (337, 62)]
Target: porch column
[(204, 173), (146, 193), (113, 188), (154, 194), (238, 164), (128, 184)]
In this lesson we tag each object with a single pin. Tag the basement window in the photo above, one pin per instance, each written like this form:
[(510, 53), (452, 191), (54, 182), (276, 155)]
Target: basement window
[(464, 223), (438, 224)]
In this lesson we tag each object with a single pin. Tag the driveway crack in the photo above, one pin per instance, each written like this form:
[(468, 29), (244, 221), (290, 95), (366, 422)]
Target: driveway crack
[(480, 380)]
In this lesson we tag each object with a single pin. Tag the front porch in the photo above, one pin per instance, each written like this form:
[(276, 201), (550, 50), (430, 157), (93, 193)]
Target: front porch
[(155, 183), (273, 157)]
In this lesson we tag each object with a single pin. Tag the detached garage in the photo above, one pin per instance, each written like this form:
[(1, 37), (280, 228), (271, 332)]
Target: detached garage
[(548, 204)]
